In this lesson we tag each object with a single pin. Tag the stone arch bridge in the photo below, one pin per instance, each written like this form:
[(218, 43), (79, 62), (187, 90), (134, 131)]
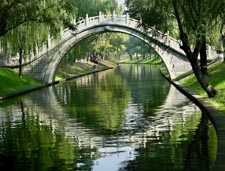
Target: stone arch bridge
[(46, 62)]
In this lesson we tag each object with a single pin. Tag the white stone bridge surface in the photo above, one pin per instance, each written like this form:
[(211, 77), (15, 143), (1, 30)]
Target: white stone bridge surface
[(45, 63)]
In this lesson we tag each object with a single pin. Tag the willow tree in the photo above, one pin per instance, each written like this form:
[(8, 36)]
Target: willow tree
[(109, 45), (195, 20), (222, 34), (22, 22), (14, 13), (92, 7)]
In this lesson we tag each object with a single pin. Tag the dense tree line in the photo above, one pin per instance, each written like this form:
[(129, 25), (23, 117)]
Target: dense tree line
[(109, 46), (198, 23), (14, 13), (103, 46), (135, 46)]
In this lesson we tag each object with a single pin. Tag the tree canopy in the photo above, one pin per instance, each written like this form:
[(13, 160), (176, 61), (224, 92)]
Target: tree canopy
[(14, 13), (137, 46), (196, 16)]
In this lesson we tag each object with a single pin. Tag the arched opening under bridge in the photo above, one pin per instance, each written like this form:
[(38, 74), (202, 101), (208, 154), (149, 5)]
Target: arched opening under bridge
[(166, 47)]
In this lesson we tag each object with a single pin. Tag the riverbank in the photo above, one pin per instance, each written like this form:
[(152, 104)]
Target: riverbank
[(74, 69), (153, 60), (216, 79), (216, 117), (14, 86), (213, 107), (11, 82)]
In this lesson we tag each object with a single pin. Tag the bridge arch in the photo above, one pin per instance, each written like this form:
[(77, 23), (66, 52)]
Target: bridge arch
[(168, 48)]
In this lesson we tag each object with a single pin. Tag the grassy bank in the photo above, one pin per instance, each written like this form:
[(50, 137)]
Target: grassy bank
[(217, 79), (152, 60), (10, 82), (74, 69)]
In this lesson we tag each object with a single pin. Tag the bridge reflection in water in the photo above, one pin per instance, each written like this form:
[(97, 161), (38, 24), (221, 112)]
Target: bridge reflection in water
[(138, 137)]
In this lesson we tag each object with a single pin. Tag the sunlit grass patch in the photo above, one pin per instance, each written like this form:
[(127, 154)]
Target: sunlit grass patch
[(217, 79), (11, 82)]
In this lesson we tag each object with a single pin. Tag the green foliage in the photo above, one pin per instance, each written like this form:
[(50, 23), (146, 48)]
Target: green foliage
[(197, 17), (108, 45), (137, 46), (111, 46), (153, 13), (30, 23), (92, 7), (202, 17), (18, 12)]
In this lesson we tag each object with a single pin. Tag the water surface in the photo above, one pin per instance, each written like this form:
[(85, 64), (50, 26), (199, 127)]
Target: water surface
[(117, 120)]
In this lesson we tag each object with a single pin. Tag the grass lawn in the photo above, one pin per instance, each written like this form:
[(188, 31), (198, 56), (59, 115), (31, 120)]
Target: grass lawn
[(10, 82), (217, 79), (71, 70), (152, 60)]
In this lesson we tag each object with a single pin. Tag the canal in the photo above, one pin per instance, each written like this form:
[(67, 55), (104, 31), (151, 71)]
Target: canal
[(125, 119)]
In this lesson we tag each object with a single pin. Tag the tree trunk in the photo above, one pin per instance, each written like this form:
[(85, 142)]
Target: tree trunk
[(130, 55), (192, 55), (143, 55), (203, 57), (223, 42), (20, 61), (211, 92), (21, 50), (2, 26), (193, 58)]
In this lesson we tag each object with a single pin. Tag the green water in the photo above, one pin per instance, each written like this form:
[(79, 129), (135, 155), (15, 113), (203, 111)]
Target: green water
[(127, 119)]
